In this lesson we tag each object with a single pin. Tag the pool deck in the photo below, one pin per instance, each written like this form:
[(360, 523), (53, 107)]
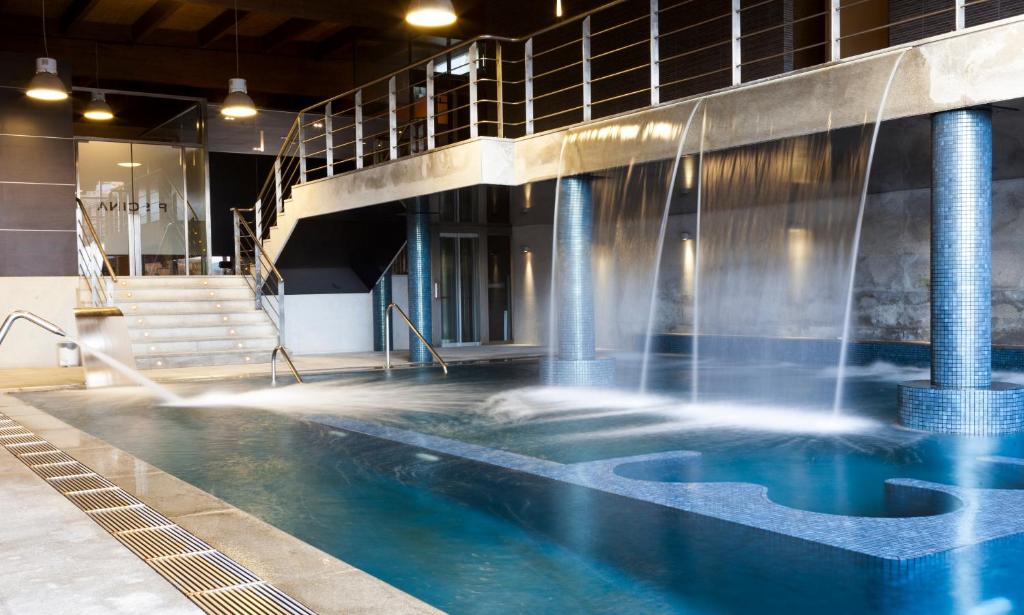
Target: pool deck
[(56, 559), (42, 378)]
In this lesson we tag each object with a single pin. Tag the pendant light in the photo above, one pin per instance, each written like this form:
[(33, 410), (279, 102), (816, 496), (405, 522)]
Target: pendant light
[(46, 85), (430, 13), (98, 110), (237, 104), (558, 8)]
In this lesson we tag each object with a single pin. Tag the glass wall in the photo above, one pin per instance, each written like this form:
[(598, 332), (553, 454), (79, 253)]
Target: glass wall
[(148, 204)]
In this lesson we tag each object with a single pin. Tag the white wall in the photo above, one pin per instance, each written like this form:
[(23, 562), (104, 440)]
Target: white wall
[(319, 324), (53, 298), (342, 322)]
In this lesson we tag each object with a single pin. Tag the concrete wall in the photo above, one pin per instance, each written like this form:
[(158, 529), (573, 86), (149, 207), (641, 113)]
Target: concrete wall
[(53, 298)]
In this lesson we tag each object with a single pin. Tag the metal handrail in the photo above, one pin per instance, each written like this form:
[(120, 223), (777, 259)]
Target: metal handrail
[(412, 327), (95, 237), (262, 255), (288, 360), (39, 321)]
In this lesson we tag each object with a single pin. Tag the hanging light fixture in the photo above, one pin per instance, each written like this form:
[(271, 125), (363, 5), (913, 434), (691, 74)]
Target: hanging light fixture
[(98, 110), (430, 13), (237, 104), (558, 8), (46, 85)]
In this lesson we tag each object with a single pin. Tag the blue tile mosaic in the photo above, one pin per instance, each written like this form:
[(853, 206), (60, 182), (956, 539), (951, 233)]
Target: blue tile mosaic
[(418, 251), (995, 410), (381, 301), (576, 363)]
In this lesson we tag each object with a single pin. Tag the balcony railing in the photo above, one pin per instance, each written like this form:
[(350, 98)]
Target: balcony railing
[(623, 56)]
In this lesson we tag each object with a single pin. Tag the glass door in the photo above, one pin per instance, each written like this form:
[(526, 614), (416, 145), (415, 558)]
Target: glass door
[(148, 204), (457, 289)]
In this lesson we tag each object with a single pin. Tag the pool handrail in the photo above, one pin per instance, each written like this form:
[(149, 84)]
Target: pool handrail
[(412, 327), (288, 360)]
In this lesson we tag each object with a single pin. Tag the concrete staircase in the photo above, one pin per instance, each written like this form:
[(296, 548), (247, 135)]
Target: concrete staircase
[(194, 321)]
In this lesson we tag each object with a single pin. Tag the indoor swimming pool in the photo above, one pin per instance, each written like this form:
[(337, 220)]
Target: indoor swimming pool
[(476, 538)]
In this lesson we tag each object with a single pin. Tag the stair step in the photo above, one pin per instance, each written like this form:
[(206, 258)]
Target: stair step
[(216, 331), (196, 359), (196, 319), (126, 295), (212, 306), (161, 347), (180, 281)]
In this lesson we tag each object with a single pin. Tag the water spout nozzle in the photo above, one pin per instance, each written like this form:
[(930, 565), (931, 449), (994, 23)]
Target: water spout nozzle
[(32, 318)]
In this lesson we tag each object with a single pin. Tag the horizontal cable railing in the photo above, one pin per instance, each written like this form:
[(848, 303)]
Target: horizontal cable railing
[(623, 56)]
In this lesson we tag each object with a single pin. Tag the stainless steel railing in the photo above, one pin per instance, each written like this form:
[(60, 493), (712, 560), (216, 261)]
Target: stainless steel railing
[(622, 56), (412, 327), (264, 279), (288, 361), (92, 258)]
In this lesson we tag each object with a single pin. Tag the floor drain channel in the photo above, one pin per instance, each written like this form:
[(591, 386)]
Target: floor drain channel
[(215, 582)]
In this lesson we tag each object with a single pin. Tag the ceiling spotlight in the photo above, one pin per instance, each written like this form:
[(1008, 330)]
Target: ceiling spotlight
[(98, 110), (237, 104), (430, 13), (46, 85)]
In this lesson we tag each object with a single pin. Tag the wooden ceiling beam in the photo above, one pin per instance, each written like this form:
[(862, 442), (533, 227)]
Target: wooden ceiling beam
[(154, 18), (219, 26), (75, 12), (285, 32)]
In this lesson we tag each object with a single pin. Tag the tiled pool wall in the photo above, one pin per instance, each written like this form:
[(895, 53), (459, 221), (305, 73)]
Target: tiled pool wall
[(819, 351)]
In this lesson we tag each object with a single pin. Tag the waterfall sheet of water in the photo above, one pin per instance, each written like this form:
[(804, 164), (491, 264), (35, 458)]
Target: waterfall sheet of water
[(130, 373)]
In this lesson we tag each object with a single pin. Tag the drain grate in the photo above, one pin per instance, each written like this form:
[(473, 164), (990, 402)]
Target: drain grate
[(213, 581)]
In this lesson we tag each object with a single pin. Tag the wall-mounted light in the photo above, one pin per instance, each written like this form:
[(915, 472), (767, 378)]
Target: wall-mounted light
[(430, 13), (685, 237), (129, 165), (98, 110), (525, 249)]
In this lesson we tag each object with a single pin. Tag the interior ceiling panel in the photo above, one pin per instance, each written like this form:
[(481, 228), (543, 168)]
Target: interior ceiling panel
[(191, 17), (118, 12)]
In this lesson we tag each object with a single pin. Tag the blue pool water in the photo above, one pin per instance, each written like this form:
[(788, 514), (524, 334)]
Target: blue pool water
[(472, 542)]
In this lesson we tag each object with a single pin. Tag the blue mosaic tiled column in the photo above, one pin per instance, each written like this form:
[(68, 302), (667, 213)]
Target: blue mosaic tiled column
[(961, 397), (381, 301), (418, 251), (576, 362)]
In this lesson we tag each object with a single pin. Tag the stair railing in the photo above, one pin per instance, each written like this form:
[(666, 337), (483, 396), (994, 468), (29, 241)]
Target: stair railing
[(263, 278), (92, 258)]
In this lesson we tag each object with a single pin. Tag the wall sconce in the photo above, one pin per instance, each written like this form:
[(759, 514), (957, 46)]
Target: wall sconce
[(525, 249), (685, 237)]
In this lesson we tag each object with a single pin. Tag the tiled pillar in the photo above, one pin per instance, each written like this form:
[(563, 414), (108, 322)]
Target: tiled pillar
[(381, 301), (418, 250), (961, 397), (576, 362)]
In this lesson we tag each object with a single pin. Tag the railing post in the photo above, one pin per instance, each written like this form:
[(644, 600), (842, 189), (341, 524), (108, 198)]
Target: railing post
[(737, 32), (329, 139), (586, 70), (431, 118), (393, 117), (257, 274), (258, 219), (961, 16), (359, 129), (528, 83), (238, 239), (499, 78), (655, 56), (474, 97), (835, 31), (277, 184), (302, 151), (280, 313)]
